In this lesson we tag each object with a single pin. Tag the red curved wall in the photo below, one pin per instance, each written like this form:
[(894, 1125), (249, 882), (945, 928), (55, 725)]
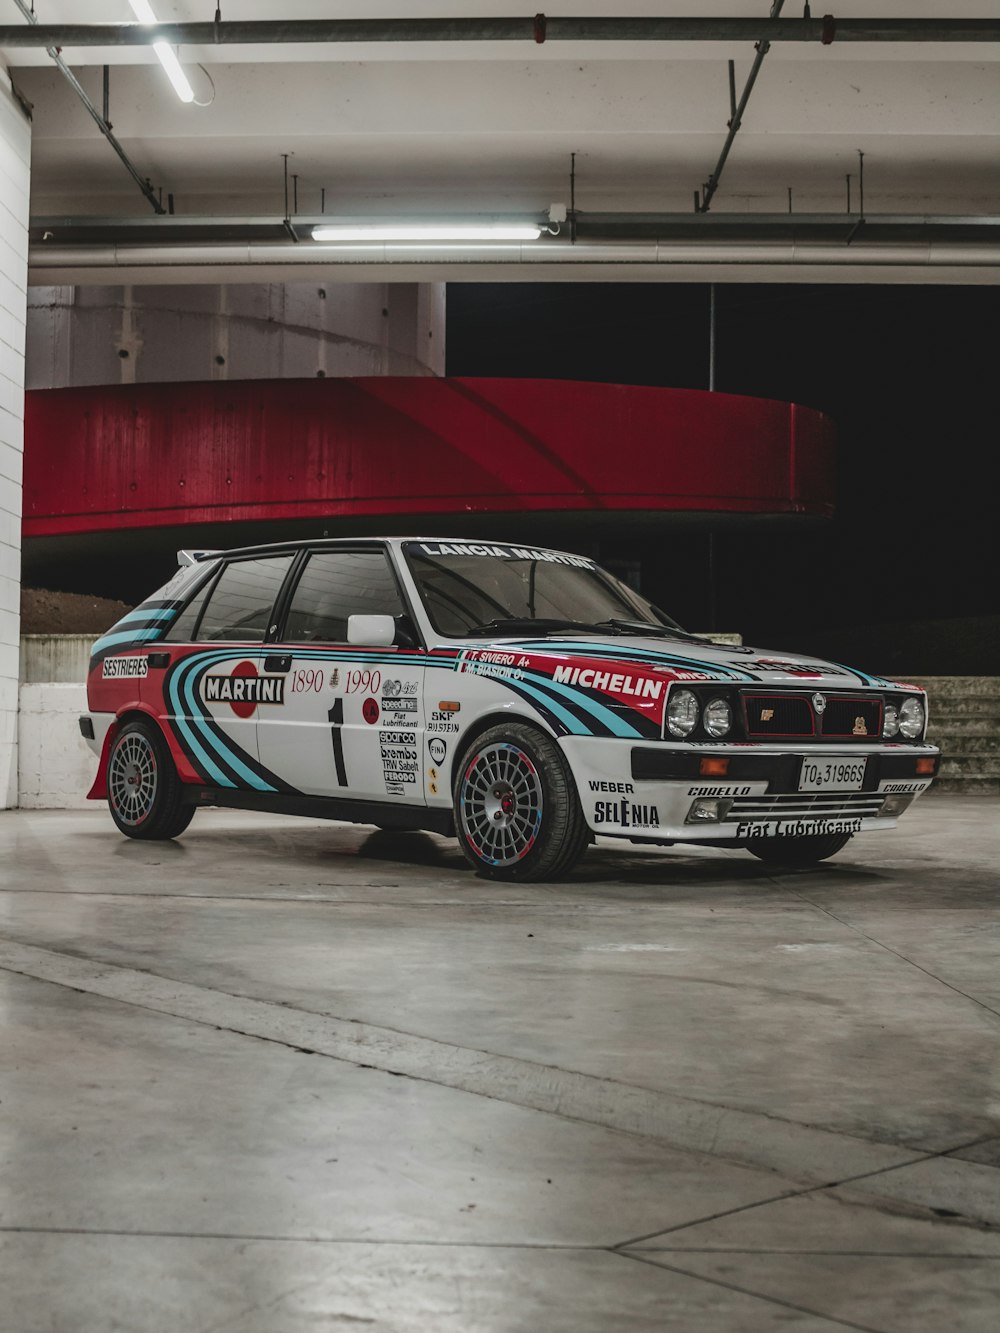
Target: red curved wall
[(147, 455)]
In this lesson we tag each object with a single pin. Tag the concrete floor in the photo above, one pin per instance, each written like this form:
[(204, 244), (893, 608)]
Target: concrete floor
[(284, 1076)]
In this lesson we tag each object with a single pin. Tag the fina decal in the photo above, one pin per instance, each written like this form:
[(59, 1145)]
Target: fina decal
[(438, 749), (243, 689), (125, 668)]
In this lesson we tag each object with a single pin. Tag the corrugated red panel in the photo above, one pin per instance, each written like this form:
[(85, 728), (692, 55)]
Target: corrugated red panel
[(154, 454)]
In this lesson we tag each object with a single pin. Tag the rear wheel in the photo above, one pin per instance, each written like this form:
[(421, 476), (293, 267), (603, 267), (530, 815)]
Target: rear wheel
[(517, 814), (144, 791), (803, 851)]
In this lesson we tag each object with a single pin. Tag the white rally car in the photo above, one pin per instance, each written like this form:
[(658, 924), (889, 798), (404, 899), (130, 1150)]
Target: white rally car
[(523, 700)]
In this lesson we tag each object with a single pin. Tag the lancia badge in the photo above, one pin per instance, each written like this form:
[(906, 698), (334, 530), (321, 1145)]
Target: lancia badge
[(819, 703)]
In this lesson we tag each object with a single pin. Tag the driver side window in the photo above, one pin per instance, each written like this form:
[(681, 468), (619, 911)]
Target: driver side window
[(338, 584)]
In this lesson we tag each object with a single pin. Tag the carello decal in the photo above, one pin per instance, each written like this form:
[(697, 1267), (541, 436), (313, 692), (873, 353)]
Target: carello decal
[(611, 682), (243, 689)]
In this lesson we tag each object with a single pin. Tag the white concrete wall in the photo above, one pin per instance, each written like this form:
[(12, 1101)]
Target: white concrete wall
[(55, 765), (15, 171), (142, 335)]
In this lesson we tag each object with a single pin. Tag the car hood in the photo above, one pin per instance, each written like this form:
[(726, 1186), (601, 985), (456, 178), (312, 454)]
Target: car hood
[(683, 660)]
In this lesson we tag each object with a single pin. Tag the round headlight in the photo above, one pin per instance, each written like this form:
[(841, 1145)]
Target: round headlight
[(682, 713), (911, 718), (717, 718), (890, 723)]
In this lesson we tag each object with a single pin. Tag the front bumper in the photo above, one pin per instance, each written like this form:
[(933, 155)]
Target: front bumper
[(648, 792)]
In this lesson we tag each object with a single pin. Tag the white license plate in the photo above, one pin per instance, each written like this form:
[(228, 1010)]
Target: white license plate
[(834, 774)]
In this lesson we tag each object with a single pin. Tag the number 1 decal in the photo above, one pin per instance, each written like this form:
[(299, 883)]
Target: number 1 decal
[(336, 716)]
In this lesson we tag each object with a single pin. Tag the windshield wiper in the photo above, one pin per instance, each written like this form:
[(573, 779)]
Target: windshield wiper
[(519, 624), (647, 627)]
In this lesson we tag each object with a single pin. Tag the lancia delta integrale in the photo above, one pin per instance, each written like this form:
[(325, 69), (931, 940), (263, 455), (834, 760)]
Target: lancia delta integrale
[(522, 700)]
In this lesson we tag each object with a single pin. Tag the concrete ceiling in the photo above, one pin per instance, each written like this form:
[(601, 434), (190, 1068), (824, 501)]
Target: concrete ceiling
[(388, 129)]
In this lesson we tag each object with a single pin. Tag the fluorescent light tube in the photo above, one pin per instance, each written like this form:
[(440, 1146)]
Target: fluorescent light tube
[(143, 11), (437, 231)]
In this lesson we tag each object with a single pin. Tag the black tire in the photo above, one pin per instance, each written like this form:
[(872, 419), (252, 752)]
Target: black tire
[(802, 851), (144, 791), (517, 813)]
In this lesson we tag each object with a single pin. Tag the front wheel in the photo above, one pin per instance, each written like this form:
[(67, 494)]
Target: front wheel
[(144, 791), (517, 813), (788, 850)]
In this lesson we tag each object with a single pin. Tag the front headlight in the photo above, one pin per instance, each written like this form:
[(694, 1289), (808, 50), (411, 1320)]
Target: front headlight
[(717, 718), (682, 713), (890, 723), (911, 719)]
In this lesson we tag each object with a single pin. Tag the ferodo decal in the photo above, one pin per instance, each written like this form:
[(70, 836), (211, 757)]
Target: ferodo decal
[(243, 689), (125, 668)]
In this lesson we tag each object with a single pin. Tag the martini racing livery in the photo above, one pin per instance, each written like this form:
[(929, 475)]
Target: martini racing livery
[(521, 699)]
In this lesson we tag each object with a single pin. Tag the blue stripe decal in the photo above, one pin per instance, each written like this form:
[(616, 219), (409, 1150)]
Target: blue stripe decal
[(181, 722), (126, 636), (572, 723), (140, 614), (604, 715), (865, 679), (186, 675)]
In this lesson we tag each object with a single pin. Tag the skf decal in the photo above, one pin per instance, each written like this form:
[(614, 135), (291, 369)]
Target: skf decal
[(626, 814), (243, 689), (639, 687), (125, 668)]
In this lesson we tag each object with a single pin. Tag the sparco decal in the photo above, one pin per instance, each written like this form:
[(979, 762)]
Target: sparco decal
[(611, 682), (626, 814), (243, 689), (125, 668)]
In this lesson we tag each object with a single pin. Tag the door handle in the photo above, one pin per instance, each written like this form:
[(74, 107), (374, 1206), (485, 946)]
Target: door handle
[(278, 662)]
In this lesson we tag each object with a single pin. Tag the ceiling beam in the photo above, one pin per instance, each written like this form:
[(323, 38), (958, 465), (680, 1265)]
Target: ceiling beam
[(536, 29)]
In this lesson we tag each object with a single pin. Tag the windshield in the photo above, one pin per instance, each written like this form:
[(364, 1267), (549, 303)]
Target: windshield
[(472, 588)]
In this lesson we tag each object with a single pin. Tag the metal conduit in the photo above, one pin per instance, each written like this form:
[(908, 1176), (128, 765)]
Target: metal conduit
[(538, 28)]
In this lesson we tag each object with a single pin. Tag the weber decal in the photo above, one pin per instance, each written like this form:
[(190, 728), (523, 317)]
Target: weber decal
[(125, 668)]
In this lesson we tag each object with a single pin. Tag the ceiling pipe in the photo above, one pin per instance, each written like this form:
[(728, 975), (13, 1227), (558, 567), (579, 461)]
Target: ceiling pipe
[(52, 259), (101, 121), (535, 29)]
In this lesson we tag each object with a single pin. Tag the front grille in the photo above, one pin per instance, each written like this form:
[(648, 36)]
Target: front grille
[(852, 717), (806, 805), (779, 715)]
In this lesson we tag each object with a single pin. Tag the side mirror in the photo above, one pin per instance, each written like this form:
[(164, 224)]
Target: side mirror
[(373, 631)]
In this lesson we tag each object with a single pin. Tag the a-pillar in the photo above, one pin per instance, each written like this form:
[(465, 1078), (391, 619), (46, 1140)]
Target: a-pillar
[(15, 170)]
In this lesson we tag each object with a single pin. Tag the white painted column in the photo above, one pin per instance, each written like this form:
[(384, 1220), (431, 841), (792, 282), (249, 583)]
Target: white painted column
[(15, 171)]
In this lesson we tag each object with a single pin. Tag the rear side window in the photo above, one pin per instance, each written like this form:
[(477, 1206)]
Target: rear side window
[(239, 604), (338, 584), (182, 630)]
